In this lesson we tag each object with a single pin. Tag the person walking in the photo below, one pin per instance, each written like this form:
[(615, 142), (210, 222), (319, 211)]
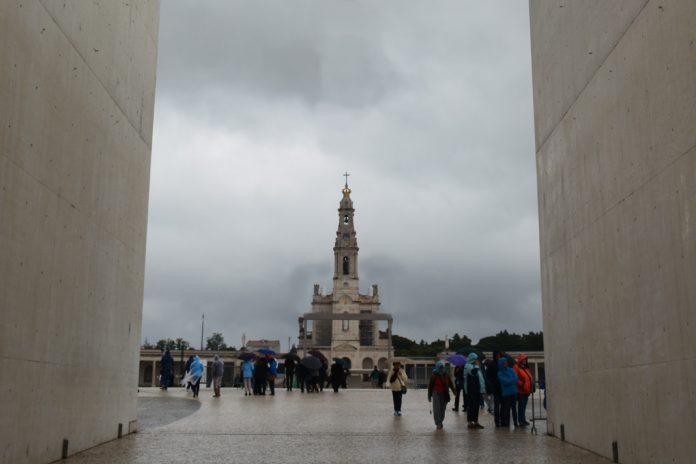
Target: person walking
[(474, 388), (459, 386), (217, 371), (374, 377), (166, 370), (187, 369), (194, 375), (438, 392), (508, 387), (397, 382), (493, 386), (525, 385), (289, 373), (247, 375)]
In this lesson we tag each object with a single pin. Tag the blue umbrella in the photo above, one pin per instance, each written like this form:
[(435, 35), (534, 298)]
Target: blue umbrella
[(267, 351), (456, 359)]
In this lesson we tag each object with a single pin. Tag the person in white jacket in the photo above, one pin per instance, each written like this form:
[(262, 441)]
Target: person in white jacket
[(397, 381)]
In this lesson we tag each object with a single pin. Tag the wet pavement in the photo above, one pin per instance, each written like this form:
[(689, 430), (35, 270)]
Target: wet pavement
[(353, 426)]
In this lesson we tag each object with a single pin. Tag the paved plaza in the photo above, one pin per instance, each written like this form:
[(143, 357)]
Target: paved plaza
[(351, 426)]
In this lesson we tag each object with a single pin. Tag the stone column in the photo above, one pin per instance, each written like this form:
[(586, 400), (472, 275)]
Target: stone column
[(389, 338), (304, 337), (154, 373)]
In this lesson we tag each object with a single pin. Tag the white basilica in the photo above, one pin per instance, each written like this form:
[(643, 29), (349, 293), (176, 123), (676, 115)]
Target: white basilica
[(345, 322)]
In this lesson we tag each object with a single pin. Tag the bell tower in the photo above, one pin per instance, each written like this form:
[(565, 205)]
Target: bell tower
[(345, 322), (346, 248)]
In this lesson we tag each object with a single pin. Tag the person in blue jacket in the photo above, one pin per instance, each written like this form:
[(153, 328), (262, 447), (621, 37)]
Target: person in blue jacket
[(247, 374), (272, 373), (508, 385)]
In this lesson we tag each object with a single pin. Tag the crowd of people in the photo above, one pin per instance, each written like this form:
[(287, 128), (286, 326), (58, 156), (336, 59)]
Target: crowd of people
[(501, 385)]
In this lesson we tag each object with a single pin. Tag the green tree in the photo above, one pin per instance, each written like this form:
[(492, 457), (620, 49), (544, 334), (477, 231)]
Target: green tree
[(167, 344), (181, 344), (215, 342)]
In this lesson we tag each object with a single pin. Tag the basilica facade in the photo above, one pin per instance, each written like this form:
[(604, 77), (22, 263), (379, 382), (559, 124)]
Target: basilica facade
[(345, 323)]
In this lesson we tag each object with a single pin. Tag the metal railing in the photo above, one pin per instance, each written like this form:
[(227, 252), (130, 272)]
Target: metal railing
[(538, 400)]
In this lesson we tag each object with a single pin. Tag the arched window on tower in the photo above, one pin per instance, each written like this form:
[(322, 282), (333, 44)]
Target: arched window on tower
[(346, 265)]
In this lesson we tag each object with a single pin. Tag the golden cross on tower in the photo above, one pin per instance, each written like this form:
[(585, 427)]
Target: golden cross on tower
[(346, 176)]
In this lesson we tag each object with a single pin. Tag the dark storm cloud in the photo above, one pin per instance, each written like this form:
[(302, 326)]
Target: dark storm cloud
[(315, 51), (262, 105)]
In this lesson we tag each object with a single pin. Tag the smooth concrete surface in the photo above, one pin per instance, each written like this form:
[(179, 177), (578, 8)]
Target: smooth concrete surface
[(77, 87), (352, 426), (616, 160)]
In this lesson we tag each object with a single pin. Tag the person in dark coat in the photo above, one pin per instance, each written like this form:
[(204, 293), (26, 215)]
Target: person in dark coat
[(458, 385), (301, 373), (166, 370), (336, 376), (322, 376), (382, 379), (260, 371), (493, 386), (289, 373), (346, 374), (474, 388), (314, 381)]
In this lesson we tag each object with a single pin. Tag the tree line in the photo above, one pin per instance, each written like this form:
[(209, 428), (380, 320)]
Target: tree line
[(216, 342), (504, 341)]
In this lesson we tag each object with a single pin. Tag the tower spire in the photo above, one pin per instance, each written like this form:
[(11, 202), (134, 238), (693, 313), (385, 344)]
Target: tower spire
[(346, 176)]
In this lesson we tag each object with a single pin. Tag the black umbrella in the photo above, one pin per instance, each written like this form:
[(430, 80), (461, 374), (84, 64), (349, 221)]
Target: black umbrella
[(246, 356), (311, 363), (292, 356), (320, 355)]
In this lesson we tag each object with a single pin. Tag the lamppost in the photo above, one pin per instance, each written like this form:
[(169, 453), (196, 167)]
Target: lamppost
[(202, 323), (182, 370)]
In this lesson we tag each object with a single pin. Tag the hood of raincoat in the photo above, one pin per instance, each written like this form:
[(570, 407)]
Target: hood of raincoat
[(501, 362), (439, 365), (521, 358), (471, 358)]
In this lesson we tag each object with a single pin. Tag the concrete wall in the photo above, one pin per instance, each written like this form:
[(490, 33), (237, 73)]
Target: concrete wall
[(77, 83), (615, 111)]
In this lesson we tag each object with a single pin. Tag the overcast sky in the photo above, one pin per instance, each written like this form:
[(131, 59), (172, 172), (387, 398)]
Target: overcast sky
[(261, 107)]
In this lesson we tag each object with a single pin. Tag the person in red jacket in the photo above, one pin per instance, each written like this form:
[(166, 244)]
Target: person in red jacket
[(525, 384)]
